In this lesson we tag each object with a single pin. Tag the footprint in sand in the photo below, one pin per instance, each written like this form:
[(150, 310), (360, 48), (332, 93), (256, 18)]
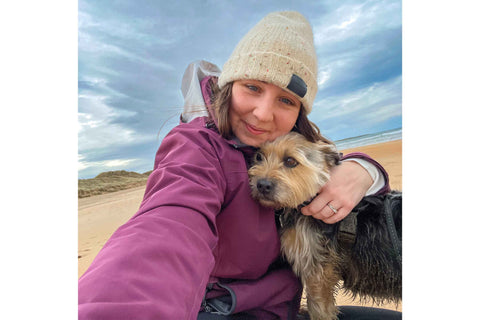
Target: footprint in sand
[(82, 252)]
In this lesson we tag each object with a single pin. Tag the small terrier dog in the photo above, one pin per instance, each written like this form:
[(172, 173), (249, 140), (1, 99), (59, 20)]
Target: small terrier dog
[(360, 250)]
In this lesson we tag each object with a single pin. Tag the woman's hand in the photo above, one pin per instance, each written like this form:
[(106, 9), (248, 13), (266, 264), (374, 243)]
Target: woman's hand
[(349, 182)]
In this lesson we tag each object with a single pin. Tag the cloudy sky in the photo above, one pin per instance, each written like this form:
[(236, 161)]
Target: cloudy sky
[(132, 55)]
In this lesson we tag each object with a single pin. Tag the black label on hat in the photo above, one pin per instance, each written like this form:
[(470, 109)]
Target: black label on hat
[(297, 86)]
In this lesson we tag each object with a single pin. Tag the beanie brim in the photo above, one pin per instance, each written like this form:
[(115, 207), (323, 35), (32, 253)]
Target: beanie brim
[(271, 68)]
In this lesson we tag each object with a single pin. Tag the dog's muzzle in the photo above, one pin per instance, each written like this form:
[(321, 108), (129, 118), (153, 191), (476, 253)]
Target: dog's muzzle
[(265, 187)]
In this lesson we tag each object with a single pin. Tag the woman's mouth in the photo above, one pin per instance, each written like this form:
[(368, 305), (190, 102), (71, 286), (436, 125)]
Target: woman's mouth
[(254, 130)]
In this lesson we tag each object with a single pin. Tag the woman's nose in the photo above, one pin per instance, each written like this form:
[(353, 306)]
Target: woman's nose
[(264, 109)]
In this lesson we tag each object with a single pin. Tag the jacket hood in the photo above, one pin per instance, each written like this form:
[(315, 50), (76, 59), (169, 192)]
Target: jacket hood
[(193, 90), (197, 94)]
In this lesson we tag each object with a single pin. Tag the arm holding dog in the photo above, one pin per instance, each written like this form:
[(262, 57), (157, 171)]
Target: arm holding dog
[(349, 183)]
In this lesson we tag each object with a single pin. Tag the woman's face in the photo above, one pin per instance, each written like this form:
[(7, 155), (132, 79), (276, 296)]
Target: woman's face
[(261, 111)]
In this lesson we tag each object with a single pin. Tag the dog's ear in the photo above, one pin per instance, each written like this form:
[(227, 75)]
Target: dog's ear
[(321, 152), (332, 157)]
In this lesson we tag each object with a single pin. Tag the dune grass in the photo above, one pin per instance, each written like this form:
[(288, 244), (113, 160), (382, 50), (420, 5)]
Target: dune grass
[(111, 181)]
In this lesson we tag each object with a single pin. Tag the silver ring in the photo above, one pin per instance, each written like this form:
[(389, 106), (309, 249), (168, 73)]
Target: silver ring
[(331, 207)]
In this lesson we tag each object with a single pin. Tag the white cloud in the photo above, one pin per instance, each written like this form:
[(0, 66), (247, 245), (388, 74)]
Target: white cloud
[(105, 165), (354, 20), (323, 76), (97, 129), (375, 103), (90, 40), (90, 169), (349, 37), (337, 25)]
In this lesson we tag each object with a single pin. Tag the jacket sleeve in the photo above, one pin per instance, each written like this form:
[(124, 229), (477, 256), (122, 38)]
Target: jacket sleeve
[(157, 265), (362, 156)]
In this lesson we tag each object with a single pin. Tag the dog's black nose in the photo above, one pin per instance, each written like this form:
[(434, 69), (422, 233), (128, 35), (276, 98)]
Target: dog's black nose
[(264, 186)]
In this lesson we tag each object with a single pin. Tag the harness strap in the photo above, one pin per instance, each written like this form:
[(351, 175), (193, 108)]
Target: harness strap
[(392, 231), (348, 230)]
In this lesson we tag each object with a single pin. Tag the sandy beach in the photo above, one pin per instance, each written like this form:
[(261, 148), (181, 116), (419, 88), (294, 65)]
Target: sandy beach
[(389, 155), (99, 216)]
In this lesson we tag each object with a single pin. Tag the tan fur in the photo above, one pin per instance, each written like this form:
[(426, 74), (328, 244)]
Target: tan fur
[(306, 249), (312, 173)]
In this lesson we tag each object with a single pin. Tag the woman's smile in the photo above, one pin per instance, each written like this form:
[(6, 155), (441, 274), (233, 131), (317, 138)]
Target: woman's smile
[(254, 130), (261, 111)]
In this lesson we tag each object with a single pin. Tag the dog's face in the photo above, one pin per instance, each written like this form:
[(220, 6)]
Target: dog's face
[(290, 170)]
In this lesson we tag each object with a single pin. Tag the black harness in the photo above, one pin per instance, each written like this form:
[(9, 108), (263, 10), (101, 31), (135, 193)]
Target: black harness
[(347, 228)]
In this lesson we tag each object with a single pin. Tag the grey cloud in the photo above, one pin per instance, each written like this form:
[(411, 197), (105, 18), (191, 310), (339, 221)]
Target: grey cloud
[(357, 63)]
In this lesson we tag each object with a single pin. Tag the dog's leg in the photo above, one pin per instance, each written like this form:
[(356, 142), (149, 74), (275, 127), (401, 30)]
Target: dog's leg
[(313, 260), (320, 289)]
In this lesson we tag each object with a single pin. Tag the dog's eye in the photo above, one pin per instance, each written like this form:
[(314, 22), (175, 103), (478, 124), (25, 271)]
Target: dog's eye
[(259, 157), (290, 162)]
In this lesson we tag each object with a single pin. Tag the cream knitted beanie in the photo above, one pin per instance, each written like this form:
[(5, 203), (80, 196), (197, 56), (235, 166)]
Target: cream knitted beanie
[(278, 50)]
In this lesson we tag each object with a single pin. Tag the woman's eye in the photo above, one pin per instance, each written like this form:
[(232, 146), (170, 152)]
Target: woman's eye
[(252, 87), (287, 101), (290, 162)]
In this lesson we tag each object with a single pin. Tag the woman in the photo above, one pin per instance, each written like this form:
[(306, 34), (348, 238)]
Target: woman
[(199, 242)]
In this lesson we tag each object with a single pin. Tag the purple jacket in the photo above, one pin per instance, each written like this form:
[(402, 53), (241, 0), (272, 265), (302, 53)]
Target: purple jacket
[(197, 230), (197, 224)]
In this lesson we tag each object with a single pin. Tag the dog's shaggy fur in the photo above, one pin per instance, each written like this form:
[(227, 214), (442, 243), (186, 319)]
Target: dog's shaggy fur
[(359, 250)]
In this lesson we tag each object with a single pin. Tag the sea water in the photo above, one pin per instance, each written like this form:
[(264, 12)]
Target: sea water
[(368, 139)]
